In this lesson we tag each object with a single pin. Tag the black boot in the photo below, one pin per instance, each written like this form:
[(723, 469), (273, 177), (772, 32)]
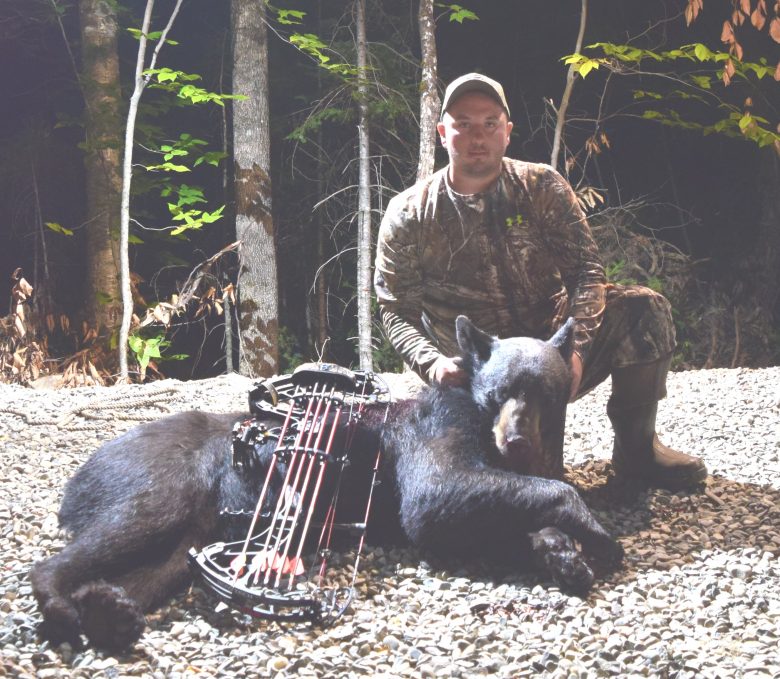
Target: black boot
[(637, 452)]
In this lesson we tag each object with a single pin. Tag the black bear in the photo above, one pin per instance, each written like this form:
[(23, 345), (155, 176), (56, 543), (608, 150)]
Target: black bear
[(463, 473)]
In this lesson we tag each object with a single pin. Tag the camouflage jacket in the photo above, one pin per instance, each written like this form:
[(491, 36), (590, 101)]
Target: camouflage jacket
[(516, 259)]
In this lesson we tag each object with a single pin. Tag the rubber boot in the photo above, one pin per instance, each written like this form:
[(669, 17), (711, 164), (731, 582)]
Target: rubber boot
[(637, 453)]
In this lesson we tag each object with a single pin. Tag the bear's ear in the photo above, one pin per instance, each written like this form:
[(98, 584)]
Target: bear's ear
[(563, 340), (473, 342)]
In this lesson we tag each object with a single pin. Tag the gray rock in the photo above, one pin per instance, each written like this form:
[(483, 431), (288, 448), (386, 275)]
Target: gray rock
[(697, 595)]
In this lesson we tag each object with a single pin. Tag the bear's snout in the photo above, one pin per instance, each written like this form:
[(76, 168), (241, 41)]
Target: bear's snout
[(517, 435)]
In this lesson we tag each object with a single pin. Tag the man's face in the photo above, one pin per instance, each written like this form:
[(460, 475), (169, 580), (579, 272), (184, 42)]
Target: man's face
[(475, 131)]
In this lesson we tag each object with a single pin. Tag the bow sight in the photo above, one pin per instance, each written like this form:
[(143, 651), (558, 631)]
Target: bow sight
[(265, 575)]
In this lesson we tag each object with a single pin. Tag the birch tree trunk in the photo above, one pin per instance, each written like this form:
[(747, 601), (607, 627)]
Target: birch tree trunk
[(100, 79), (430, 103), (364, 198), (561, 118), (258, 305), (127, 175)]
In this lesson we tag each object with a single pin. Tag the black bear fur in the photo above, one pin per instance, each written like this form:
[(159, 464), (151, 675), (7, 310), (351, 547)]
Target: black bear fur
[(448, 484)]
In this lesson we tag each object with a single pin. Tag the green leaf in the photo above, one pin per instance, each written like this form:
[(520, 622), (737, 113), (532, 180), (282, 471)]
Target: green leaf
[(174, 152), (134, 240), (167, 167), (167, 75), (702, 52), (147, 348), (185, 227), (289, 16), (461, 14), (58, 228), (211, 157), (136, 343), (189, 195), (587, 66), (210, 218)]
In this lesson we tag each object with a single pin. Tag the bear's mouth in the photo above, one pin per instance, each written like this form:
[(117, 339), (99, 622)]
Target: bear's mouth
[(519, 454)]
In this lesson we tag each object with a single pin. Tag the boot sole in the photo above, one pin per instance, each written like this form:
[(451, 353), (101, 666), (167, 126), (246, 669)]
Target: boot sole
[(680, 481)]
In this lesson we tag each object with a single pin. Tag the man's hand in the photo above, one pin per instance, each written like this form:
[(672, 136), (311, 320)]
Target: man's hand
[(576, 375), (447, 372)]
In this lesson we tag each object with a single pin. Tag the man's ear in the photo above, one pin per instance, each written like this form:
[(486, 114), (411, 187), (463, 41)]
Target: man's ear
[(473, 342), (440, 129), (563, 340)]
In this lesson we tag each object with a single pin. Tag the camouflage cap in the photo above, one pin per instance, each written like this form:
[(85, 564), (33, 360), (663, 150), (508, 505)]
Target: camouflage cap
[(474, 82)]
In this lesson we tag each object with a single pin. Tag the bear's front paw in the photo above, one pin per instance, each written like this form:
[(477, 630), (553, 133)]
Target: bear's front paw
[(60, 623), (608, 558), (603, 550), (556, 553)]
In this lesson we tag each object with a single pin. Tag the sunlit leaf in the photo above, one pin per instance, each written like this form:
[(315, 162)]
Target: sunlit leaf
[(167, 167), (702, 52), (587, 67), (289, 16), (58, 228), (461, 14)]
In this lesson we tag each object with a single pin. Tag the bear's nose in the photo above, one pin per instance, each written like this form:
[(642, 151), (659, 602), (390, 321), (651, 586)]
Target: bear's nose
[(517, 439)]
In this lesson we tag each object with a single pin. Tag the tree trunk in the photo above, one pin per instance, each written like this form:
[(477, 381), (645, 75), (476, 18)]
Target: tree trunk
[(100, 78), (127, 179), (430, 103), (758, 306), (364, 199), (258, 306), (321, 291), (561, 117), (319, 223), (127, 176)]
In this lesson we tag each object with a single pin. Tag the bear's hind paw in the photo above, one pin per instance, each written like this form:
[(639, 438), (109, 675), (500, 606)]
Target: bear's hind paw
[(111, 620)]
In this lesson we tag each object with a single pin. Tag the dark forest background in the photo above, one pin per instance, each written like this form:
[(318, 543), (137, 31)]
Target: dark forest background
[(695, 215)]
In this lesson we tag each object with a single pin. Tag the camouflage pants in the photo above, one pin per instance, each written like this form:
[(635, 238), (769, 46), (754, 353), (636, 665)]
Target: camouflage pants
[(636, 329)]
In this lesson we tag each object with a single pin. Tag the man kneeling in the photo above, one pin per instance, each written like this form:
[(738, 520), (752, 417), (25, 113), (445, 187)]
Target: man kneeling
[(506, 242)]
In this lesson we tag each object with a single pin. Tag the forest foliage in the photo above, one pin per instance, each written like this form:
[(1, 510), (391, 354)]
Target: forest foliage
[(720, 84)]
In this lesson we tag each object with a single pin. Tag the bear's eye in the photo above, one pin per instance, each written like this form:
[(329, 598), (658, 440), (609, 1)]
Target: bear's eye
[(495, 397)]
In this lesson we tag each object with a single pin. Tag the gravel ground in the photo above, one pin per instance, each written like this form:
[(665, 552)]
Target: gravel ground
[(699, 595)]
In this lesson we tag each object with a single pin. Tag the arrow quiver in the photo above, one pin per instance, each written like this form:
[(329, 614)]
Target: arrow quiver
[(280, 570)]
